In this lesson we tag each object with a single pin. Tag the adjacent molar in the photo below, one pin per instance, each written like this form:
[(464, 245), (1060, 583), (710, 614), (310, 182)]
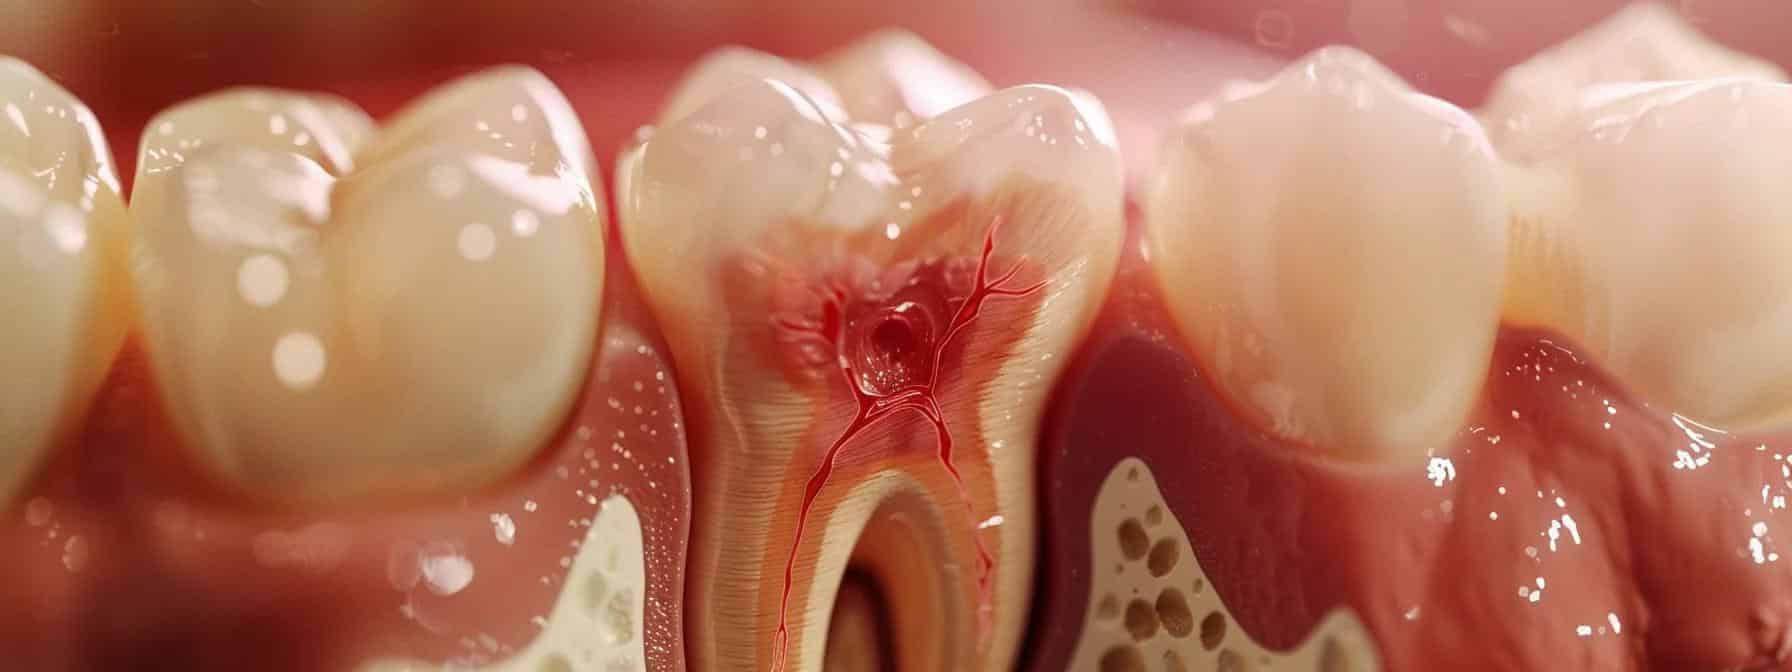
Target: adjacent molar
[(63, 282), (866, 322), (1331, 244), (1642, 42), (335, 314), (1655, 237)]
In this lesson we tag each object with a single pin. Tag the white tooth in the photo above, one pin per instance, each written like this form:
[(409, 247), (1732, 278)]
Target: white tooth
[(1642, 42), (895, 78), (729, 68), (1332, 244), (62, 266), (1659, 240), (760, 195), (417, 323), (325, 129)]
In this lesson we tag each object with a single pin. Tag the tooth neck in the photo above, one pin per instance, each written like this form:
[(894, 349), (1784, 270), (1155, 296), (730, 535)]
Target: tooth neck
[(1545, 281)]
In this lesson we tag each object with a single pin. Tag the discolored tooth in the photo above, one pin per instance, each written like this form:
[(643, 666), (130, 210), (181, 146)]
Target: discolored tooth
[(1644, 41), (63, 281), (894, 77), (328, 328), (1331, 245), (1658, 242), (866, 333)]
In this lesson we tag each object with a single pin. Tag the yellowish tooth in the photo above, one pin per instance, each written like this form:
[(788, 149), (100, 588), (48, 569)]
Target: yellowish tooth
[(62, 267), (1331, 245), (1659, 240), (347, 319), (1644, 41)]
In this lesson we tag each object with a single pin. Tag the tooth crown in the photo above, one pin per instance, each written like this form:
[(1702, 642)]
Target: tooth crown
[(1664, 209), (62, 234), (1645, 41), (357, 315), (1301, 227)]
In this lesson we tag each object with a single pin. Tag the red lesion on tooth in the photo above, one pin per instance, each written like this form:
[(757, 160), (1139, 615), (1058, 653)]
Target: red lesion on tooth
[(873, 404), (889, 389)]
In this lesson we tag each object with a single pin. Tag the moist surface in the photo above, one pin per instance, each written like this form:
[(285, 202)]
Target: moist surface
[(1568, 526), (127, 557)]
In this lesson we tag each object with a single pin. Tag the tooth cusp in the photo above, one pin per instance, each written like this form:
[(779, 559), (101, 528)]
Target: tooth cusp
[(414, 323)]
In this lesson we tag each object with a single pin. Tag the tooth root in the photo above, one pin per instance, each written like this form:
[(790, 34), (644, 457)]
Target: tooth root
[(758, 214), (1645, 41), (62, 271), (1331, 245), (1663, 208), (416, 324), (893, 77)]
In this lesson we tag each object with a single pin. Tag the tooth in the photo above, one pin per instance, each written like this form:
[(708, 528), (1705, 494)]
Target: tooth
[(729, 68), (896, 78), (62, 272), (1642, 42), (1656, 228), (891, 78), (416, 321), (757, 224), (1331, 244)]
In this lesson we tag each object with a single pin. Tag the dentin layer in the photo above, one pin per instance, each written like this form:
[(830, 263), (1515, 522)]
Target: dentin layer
[(866, 332)]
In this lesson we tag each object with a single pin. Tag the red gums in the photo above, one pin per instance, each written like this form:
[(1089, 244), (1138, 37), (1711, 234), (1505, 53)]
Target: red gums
[(875, 404)]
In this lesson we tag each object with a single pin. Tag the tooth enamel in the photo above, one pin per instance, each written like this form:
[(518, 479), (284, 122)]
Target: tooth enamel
[(1642, 42), (896, 78), (62, 266), (1660, 226), (731, 67), (414, 319), (1331, 244), (757, 187)]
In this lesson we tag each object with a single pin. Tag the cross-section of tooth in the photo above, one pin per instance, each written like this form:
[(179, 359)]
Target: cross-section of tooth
[(866, 332), (63, 282), (1655, 236), (343, 315), (1642, 42), (1331, 244)]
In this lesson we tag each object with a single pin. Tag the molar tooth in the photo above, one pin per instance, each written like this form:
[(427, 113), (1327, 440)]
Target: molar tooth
[(756, 210), (1331, 245), (415, 318), (894, 77), (1645, 41), (1660, 217), (62, 267)]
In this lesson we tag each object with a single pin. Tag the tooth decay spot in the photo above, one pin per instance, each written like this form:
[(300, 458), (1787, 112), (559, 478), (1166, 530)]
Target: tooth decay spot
[(889, 352), (299, 360), (477, 242), (262, 280)]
